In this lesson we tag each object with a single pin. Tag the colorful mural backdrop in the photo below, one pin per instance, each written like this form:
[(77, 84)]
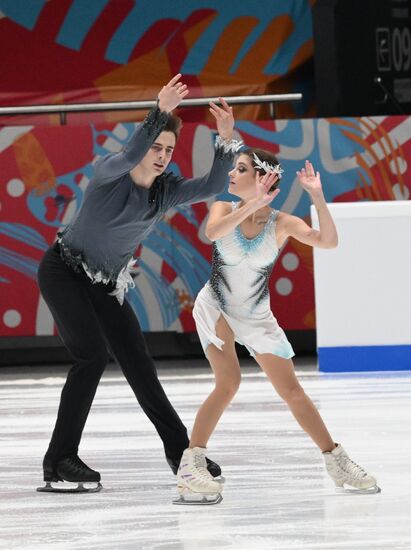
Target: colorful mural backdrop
[(45, 171), (74, 51)]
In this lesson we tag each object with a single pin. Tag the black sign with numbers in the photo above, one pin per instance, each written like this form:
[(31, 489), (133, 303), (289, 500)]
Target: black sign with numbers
[(362, 51)]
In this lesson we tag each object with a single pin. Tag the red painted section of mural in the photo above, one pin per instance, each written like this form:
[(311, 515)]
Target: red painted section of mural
[(45, 171)]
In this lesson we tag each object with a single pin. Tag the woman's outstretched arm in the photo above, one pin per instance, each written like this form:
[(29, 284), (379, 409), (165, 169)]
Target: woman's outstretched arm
[(292, 226)]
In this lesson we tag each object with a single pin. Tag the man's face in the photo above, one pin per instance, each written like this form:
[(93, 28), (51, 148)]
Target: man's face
[(159, 156)]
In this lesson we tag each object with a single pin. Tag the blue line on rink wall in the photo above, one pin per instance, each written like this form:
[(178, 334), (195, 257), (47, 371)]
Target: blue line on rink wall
[(364, 358)]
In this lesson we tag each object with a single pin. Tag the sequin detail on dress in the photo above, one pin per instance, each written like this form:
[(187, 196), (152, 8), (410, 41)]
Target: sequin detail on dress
[(218, 281)]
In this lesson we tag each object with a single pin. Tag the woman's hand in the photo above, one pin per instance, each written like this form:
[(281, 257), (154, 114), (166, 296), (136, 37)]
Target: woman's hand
[(263, 185), (224, 118), (172, 94), (309, 180)]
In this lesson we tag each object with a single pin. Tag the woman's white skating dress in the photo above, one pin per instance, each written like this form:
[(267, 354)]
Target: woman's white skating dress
[(238, 290)]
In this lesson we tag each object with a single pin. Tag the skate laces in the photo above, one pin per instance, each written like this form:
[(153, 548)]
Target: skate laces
[(76, 463), (201, 469), (351, 467)]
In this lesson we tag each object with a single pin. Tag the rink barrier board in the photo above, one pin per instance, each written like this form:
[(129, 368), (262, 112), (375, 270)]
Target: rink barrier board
[(364, 358)]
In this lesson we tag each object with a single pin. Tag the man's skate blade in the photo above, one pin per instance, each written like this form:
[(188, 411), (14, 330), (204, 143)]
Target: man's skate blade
[(352, 491), (198, 500), (75, 487)]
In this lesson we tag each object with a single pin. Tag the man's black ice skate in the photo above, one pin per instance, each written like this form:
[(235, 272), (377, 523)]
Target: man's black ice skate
[(73, 470), (212, 467)]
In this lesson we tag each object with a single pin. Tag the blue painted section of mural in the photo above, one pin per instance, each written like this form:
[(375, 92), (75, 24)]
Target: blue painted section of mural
[(300, 12), (25, 234), (22, 12), (136, 299), (181, 255), (19, 262), (305, 135), (166, 296), (145, 14), (36, 203), (126, 128), (79, 21), (82, 16)]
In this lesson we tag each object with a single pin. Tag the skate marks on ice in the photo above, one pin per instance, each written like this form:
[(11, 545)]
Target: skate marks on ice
[(277, 493)]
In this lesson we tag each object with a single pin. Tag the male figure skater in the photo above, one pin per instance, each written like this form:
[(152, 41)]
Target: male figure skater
[(83, 278)]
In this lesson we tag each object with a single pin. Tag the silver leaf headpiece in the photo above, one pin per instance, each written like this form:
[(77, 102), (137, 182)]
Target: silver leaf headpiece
[(271, 168)]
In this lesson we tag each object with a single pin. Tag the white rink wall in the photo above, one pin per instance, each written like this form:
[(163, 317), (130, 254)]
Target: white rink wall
[(363, 288)]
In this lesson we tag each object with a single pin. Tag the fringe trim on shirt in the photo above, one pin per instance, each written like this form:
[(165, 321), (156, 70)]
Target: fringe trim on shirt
[(228, 147)]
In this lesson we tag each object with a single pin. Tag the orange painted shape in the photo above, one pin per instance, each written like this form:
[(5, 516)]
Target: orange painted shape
[(344, 122), (360, 193), (151, 69), (271, 40), (303, 54), (227, 47), (377, 161), (371, 187), (394, 150), (367, 189), (193, 32), (34, 166), (309, 319), (376, 134)]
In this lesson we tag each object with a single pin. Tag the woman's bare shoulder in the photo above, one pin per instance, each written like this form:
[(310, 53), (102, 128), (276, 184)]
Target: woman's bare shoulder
[(283, 218), (221, 206)]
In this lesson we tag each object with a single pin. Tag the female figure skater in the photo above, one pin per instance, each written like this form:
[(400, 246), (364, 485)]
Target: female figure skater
[(234, 305), (84, 276)]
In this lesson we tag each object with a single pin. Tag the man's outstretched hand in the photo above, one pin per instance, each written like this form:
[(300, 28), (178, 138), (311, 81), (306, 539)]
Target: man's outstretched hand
[(172, 94), (224, 118)]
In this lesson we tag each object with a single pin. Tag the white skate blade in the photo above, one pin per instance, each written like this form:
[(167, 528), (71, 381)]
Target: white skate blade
[(75, 487), (198, 499), (353, 491)]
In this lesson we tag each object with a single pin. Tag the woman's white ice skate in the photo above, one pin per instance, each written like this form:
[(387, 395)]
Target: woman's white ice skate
[(344, 471), (195, 483)]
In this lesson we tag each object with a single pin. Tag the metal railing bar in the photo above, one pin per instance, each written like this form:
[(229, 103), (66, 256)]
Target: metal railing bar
[(136, 105)]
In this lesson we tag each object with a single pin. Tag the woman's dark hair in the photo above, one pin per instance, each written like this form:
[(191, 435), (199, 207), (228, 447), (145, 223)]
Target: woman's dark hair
[(264, 156), (174, 124)]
